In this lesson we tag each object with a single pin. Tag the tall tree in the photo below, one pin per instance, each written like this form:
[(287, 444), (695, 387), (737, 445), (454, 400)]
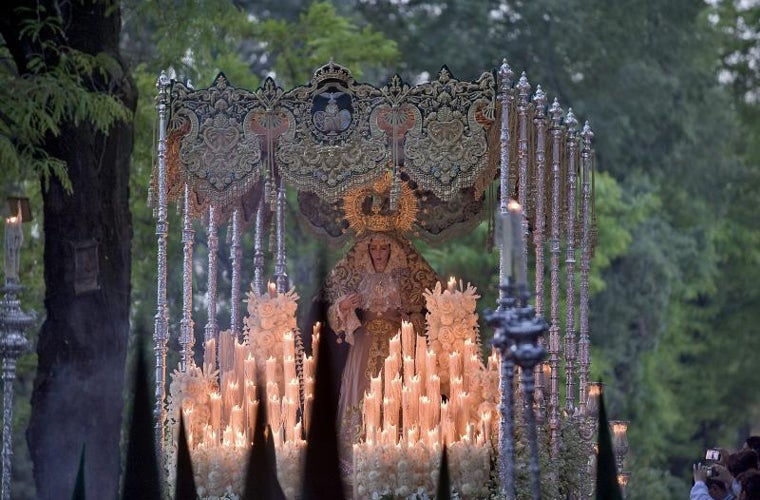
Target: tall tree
[(66, 58)]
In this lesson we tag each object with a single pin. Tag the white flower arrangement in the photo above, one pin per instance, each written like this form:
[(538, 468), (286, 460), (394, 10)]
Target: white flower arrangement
[(451, 319), (219, 471), (411, 472), (290, 460), (269, 317)]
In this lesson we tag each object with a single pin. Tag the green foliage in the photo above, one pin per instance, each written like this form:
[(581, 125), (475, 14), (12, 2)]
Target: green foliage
[(58, 86), (320, 35)]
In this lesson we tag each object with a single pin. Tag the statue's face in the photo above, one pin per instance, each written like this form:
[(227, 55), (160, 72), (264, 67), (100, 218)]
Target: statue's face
[(380, 252)]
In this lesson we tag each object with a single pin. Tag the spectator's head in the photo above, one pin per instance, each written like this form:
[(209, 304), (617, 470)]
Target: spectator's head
[(750, 483), (753, 443), (717, 488), (741, 461)]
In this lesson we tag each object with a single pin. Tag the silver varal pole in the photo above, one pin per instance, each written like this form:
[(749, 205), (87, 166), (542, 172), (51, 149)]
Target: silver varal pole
[(258, 251), (236, 252), (505, 97), (161, 330), (281, 273), (557, 132), (583, 342), (187, 325), (570, 348)]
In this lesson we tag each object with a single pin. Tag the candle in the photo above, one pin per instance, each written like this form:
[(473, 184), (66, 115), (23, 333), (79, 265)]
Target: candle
[(485, 421), (307, 408), (407, 339), (209, 354), (289, 368), (236, 418), (241, 353), (394, 346), (452, 284), (240, 440), (228, 437), (275, 412), (408, 368), (504, 240), (430, 363), (288, 345), (493, 360), (209, 436), (309, 387), (272, 289), (518, 243), (231, 394), (298, 431), (434, 394), (14, 237), (273, 389), (308, 367), (188, 412), (315, 333), (215, 401), (249, 369), (289, 412), (406, 402), (420, 359), (463, 411), (292, 390), (252, 407), (271, 369), (392, 364), (455, 366), (396, 388), (376, 386), (424, 414)]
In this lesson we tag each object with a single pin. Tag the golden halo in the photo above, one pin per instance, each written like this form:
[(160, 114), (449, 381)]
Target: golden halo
[(367, 208)]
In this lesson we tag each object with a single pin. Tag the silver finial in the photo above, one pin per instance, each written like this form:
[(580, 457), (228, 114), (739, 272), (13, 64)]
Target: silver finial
[(189, 84), (539, 99), (523, 87), (505, 71), (163, 79), (570, 121), (556, 112), (587, 134)]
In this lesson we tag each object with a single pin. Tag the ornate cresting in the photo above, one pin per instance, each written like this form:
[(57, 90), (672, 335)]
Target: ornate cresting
[(437, 147)]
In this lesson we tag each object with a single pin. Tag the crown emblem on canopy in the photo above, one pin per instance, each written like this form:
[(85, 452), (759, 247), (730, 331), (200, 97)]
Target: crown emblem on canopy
[(332, 71), (368, 208)]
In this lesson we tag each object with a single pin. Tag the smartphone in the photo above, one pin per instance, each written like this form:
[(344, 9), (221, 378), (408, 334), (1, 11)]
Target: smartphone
[(712, 454)]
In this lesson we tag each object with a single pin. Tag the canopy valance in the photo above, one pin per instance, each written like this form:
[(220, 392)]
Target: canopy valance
[(334, 136)]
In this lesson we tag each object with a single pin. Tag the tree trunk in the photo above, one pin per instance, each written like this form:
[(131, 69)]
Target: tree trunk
[(78, 391)]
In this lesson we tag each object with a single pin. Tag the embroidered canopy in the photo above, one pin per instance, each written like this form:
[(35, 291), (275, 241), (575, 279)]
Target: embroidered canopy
[(334, 136)]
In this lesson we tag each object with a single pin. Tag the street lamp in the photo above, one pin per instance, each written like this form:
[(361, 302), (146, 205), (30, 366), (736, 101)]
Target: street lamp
[(13, 322)]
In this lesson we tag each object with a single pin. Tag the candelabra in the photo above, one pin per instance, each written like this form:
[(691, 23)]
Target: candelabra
[(619, 430), (517, 332), (13, 322)]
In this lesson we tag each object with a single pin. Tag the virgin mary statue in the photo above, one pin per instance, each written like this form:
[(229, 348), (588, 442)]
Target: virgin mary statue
[(378, 283)]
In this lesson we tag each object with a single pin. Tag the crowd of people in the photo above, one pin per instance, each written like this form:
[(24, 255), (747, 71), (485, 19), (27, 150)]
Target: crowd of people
[(734, 476)]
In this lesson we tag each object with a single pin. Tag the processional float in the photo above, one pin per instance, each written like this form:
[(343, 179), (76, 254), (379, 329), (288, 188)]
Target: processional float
[(436, 155)]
